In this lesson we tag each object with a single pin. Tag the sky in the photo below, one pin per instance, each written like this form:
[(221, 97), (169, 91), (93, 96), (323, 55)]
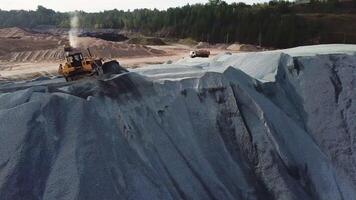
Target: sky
[(101, 5)]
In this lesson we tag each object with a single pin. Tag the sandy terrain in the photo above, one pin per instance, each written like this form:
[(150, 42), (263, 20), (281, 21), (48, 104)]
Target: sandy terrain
[(30, 69), (27, 54)]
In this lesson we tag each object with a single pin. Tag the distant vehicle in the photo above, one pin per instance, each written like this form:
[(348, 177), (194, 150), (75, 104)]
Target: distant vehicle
[(78, 66), (200, 53)]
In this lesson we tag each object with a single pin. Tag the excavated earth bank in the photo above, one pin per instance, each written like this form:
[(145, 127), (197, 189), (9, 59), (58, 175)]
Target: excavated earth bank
[(268, 125)]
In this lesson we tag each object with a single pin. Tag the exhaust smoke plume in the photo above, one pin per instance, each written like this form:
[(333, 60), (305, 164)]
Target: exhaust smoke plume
[(74, 30)]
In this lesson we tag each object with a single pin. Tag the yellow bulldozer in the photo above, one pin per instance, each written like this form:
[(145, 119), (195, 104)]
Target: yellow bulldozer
[(77, 66)]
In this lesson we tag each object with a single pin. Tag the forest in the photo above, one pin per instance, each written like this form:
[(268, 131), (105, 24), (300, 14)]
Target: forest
[(276, 24)]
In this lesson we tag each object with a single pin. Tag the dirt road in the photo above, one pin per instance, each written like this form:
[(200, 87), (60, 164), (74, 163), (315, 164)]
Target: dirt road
[(24, 70)]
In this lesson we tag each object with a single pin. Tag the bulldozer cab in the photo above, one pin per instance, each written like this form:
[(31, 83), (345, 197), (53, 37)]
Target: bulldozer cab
[(75, 59)]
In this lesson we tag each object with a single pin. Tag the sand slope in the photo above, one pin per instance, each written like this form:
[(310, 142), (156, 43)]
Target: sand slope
[(18, 45), (195, 129)]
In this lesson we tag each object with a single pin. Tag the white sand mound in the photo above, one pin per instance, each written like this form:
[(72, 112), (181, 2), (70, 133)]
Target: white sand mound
[(195, 129)]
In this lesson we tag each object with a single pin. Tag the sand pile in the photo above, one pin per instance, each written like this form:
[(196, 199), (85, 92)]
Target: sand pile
[(110, 36), (243, 47), (206, 45), (18, 40), (35, 55), (107, 49), (17, 45), (18, 33), (202, 45), (270, 125), (14, 32), (146, 41)]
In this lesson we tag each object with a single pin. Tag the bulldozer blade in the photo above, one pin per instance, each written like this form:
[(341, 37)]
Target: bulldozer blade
[(113, 67)]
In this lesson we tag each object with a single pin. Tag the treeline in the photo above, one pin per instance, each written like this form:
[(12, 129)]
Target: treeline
[(275, 24)]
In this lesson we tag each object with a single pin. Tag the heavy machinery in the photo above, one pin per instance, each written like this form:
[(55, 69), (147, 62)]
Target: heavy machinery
[(200, 53), (78, 66)]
